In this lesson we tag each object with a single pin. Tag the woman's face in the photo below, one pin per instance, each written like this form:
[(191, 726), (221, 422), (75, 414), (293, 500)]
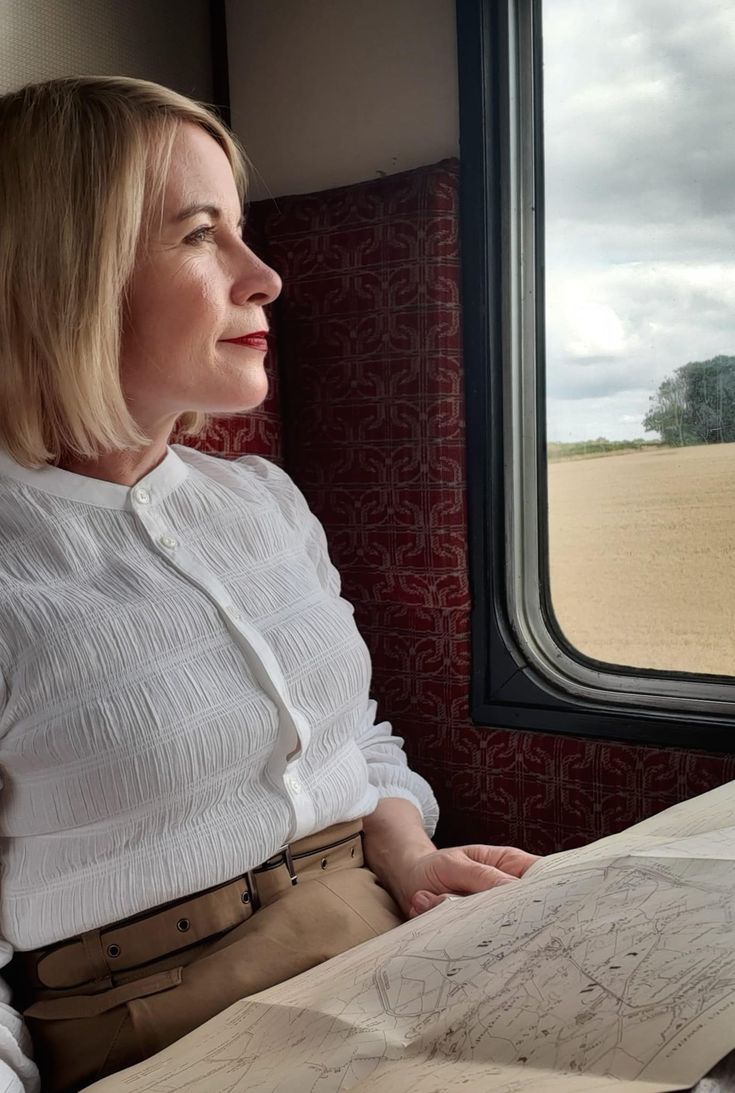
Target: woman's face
[(195, 290)]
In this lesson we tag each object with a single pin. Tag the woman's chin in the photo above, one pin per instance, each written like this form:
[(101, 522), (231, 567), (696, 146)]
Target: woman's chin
[(242, 400)]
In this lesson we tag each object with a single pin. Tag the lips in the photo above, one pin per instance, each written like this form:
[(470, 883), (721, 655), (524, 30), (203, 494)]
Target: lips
[(257, 340)]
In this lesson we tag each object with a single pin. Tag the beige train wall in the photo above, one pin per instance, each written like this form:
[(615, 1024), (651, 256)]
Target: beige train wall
[(151, 39), (329, 92)]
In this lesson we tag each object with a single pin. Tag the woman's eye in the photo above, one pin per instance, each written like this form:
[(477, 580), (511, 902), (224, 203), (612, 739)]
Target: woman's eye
[(201, 235)]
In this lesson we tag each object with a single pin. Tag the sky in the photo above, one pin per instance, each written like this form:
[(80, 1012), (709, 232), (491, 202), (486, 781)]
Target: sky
[(639, 135)]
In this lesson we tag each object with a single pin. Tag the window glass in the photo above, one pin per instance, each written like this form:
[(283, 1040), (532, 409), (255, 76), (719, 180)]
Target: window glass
[(639, 176)]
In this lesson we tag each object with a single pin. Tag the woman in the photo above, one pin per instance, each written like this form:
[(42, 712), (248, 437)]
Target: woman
[(197, 800)]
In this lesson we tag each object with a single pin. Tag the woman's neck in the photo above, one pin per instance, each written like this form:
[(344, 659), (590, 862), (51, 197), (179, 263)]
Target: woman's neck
[(126, 468)]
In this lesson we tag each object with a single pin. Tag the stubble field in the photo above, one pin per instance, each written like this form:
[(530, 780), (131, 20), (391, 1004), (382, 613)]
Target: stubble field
[(642, 557)]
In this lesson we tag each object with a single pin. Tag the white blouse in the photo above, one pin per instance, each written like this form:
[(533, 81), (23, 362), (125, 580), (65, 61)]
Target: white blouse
[(184, 692)]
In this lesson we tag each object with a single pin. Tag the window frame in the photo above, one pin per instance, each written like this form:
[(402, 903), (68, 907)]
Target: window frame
[(524, 674)]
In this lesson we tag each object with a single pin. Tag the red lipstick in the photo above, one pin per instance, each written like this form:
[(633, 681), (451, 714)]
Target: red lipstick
[(257, 340)]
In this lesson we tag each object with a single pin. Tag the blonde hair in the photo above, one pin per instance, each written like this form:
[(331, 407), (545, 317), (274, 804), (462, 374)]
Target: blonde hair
[(83, 165)]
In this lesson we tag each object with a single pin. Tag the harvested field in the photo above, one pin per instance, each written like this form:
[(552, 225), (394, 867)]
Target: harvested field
[(642, 554)]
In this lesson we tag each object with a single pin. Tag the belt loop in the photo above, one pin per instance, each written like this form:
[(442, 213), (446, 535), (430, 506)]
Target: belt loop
[(252, 890), (95, 954), (288, 862)]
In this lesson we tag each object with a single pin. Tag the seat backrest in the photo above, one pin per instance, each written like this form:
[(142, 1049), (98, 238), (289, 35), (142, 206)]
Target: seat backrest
[(373, 426)]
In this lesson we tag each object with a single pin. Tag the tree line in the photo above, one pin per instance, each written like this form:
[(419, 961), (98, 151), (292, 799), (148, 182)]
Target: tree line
[(696, 404)]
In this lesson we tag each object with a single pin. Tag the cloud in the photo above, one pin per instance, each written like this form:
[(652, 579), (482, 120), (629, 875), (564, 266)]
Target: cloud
[(640, 217), (625, 328), (595, 331)]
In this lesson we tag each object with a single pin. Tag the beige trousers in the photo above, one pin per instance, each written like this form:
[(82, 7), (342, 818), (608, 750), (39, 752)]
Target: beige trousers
[(115, 996)]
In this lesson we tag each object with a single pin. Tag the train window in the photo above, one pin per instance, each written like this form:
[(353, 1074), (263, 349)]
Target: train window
[(597, 148), (639, 151)]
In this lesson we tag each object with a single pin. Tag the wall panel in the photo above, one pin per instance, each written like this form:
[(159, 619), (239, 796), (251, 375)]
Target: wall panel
[(167, 41)]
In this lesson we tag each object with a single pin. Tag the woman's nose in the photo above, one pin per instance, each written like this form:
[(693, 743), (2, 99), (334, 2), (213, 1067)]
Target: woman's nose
[(256, 282)]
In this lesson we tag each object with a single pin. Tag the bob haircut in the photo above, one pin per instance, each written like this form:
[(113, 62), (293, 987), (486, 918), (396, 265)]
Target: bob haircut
[(82, 175)]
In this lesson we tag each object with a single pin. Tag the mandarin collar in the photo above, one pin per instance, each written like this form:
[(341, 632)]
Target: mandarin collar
[(159, 482)]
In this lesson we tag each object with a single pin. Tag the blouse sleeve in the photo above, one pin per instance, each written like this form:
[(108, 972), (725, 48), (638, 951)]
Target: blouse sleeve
[(18, 1072), (388, 767), (389, 771)]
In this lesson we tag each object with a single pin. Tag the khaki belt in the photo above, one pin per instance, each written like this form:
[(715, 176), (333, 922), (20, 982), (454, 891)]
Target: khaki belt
[(98, 955)]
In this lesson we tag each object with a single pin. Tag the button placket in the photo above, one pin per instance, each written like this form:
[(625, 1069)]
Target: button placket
[(293, 783), (152, 522), (253, 646)]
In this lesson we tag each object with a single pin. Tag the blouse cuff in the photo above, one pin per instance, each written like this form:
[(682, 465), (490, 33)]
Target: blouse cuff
[(426, 805)]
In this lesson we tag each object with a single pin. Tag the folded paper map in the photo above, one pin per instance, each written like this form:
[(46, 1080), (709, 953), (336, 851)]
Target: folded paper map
[(608, 968)]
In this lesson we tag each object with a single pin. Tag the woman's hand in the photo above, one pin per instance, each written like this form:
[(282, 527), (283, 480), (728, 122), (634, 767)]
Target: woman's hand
[(419, 876), (460, 871)]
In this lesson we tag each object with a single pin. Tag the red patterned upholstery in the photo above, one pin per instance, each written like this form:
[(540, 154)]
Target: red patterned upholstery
[(372, 399)]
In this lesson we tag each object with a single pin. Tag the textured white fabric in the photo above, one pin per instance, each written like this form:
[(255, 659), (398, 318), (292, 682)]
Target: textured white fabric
[(164, 649), (184, 689)]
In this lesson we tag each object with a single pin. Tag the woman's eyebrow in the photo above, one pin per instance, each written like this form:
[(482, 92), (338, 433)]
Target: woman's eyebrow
[(203, 207)]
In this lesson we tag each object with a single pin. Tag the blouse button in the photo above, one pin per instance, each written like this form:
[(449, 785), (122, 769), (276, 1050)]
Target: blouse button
[(141, 496), (168, 542)]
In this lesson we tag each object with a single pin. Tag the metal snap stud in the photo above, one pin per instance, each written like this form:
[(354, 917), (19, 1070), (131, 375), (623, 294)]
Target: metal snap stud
[(183, 925), (113, 951), (323, 863), (245, 897)]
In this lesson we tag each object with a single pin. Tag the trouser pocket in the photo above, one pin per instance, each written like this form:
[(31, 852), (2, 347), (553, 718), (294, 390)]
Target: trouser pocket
[(79, 1038)]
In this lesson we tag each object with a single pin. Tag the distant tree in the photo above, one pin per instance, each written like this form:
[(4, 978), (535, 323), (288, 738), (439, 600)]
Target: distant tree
[(695, 405)]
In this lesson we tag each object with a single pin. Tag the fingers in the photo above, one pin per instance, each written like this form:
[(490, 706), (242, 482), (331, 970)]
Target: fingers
[(457, 871), (464, 870), (508, 859), (460, 877), (425, 901), (476, 877)]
